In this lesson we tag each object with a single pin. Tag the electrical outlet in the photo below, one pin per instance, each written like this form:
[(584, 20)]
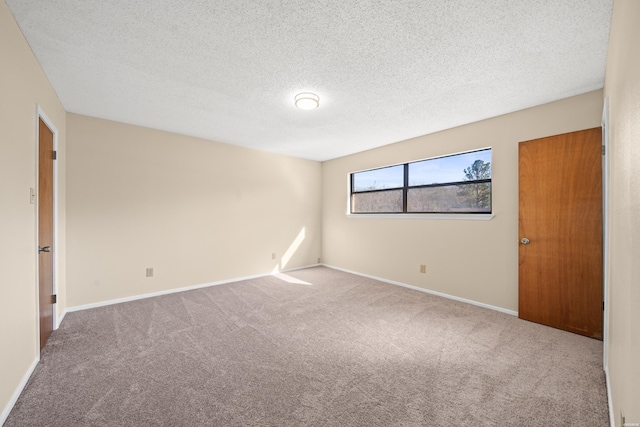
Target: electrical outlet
[(149, 272), (423, 268), (273, 255), (318, 260)]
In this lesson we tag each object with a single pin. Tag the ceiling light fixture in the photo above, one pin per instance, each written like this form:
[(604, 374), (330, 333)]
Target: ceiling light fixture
[(307, 101)]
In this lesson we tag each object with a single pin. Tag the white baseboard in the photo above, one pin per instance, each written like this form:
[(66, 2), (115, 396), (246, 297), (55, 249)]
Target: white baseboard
[(16, 394), (59, 319), (175, 290), (428, 291), (612, 418)]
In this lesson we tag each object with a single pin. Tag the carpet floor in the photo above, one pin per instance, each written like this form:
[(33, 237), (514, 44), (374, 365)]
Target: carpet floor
[(313, 347)]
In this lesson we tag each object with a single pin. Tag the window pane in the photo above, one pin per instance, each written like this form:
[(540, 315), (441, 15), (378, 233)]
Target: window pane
[(450, 198), (378, 201), (379, 179), (460, 167)]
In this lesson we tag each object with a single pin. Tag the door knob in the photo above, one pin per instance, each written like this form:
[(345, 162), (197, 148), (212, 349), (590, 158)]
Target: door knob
[(524, 241), (44, 249)]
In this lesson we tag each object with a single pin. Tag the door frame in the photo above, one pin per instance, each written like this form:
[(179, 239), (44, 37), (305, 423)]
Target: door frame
[(40, 114), (606, 266)]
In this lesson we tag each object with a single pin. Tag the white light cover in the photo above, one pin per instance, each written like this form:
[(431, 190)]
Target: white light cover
[(307, 101)]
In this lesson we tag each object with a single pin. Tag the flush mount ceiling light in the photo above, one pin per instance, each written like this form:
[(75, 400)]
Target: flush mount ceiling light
[(307, 101)]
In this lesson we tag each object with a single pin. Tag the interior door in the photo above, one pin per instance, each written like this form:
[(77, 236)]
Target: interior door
[(45, 230), (560, 226)]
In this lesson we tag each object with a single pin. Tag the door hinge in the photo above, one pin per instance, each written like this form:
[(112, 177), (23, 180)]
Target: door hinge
[(603, 150), (54, 299), (55, 155), (602, 305)]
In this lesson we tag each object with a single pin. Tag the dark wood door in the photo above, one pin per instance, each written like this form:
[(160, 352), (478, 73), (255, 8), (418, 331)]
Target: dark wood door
[(45, 230), (560, 214)]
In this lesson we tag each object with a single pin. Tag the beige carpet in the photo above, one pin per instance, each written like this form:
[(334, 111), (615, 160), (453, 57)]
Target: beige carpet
[(325, 349)]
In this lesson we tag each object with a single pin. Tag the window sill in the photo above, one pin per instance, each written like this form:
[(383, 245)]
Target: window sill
[(457, 217)]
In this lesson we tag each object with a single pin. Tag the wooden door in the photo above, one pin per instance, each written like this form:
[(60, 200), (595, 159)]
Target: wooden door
[(45, 230), (560, 216)]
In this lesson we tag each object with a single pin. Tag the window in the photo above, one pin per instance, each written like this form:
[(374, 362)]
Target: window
[(459, 183)]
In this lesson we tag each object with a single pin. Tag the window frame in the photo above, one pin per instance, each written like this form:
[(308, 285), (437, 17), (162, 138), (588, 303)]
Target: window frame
[(482, 215)]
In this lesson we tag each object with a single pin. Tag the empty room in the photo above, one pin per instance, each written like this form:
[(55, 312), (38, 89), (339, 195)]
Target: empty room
[(281, 213)]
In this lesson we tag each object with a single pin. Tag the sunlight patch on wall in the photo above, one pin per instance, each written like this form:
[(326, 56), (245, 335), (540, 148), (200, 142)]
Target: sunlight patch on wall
[(290, 252)]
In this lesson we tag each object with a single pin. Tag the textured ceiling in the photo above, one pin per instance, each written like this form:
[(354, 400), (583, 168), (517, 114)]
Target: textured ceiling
[(385, 70)]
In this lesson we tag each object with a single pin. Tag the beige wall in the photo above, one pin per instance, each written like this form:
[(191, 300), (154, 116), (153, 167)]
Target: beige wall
[(196, 211), (622, 87), (22, 86), (470, 259)]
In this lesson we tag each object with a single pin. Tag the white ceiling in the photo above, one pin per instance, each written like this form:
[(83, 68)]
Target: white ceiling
[(385, 70)]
